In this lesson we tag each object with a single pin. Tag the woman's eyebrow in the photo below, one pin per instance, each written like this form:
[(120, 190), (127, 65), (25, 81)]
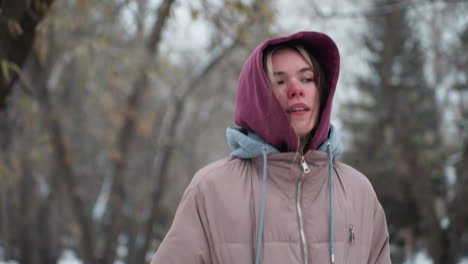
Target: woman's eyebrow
[(278, 73), (306, 69)]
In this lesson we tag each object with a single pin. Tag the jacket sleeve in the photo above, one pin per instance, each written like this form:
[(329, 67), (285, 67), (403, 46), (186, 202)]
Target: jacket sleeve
[(380, 249), (187, 240)]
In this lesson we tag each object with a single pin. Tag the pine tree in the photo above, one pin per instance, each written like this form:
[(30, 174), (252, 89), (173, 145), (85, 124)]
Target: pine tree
[(458, 211), (395, 131)]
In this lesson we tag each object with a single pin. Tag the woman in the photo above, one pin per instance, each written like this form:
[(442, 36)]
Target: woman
[(281, 197)]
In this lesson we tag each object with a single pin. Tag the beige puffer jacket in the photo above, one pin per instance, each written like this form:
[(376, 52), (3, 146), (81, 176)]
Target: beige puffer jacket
[(217, 219)]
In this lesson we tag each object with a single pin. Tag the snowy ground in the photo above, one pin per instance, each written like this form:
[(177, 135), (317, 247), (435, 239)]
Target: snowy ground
[(422, 258), (69, 257)]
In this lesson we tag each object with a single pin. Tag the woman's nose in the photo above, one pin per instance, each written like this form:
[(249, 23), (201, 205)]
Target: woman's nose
[(295, 89)]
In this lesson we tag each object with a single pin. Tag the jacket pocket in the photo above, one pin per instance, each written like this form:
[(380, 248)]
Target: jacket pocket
[(349, 243)]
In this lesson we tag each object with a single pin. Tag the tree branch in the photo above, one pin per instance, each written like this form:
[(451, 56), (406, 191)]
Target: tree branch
[(118, 193), (16, 42), (165, 144), (66, 176), (377, 11)]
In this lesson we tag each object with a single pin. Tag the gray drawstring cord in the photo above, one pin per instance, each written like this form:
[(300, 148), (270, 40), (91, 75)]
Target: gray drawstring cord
[(258, 252), (330, 175)]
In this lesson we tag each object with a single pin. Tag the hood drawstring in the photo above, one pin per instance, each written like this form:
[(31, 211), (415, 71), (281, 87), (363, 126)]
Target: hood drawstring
[(258, 252), (331, 223)]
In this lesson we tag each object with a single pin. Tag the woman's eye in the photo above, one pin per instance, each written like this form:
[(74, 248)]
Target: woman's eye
[(279, 82), (308, 80)]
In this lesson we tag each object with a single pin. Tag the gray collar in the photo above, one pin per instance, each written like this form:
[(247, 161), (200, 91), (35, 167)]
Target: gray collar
[(248, 145)]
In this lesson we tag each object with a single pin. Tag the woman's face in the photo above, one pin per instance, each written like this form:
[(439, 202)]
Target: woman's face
[(296, 90)]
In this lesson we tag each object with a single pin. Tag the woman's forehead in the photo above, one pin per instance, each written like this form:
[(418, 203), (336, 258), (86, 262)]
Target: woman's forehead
[(288, 60)]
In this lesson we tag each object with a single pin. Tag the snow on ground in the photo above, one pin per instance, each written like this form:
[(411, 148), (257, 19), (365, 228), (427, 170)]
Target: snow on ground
[(69, 257)]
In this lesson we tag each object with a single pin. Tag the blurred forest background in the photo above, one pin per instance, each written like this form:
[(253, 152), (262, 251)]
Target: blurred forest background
[(107, 108)]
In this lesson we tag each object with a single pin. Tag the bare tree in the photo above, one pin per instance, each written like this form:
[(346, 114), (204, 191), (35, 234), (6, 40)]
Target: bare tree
[(66, 177), (18, 22), (78, 78), (166, 141), (118, 193)]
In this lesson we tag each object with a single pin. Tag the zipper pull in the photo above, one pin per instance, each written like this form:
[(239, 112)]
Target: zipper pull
[(304, 165), (352, 237)]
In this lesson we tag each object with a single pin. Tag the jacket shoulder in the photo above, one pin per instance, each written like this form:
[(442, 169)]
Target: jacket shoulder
[(219, 171), (354, 179), (351, 172)]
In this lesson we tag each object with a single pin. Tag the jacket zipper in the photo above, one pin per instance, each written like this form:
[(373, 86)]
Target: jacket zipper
[(349, 243), (305, 170)]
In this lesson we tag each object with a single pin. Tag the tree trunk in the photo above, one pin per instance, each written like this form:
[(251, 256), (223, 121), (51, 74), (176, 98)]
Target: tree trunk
[(19, 19), (46, 231), (6, 231), (26, 215), (165, 146), (65, 176), (118, 193), (458, 210)]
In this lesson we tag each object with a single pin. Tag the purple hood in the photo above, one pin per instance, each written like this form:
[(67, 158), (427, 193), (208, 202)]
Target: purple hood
[(257, 109)]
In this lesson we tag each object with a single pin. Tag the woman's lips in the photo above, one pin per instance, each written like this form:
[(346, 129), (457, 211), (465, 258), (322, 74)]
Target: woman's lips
[(298, 109)]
